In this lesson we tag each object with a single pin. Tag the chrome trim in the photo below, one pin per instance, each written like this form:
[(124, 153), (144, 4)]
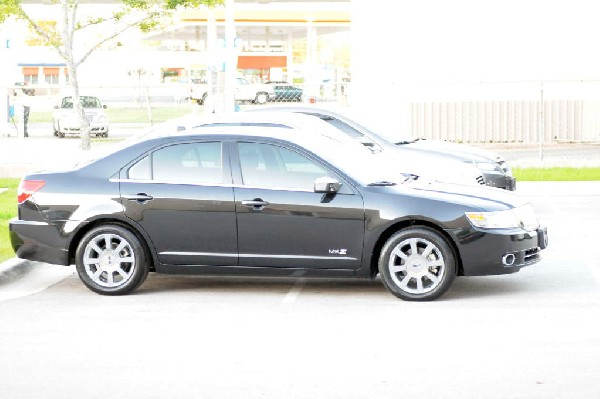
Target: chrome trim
[(211, 185), (199, 254), (257, 255), (186, 183), (296, 257)]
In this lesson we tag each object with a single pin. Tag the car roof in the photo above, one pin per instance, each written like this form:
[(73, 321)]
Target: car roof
[(309, 125), (303, 138)]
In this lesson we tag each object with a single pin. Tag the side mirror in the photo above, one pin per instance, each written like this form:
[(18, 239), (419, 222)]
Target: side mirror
[(327, 185), (104, 106)]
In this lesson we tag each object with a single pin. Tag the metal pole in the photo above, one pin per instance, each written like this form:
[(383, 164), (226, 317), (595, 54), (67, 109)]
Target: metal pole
[(541, 127), (231, 56)]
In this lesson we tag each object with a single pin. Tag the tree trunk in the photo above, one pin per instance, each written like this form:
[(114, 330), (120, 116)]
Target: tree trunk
[(69, 55), (79, 110)]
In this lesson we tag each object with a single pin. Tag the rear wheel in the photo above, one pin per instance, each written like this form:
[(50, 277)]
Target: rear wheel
[(111, 260), (417, 264)]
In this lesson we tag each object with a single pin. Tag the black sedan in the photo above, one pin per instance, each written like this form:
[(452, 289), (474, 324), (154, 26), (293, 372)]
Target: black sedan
[(262, 204)]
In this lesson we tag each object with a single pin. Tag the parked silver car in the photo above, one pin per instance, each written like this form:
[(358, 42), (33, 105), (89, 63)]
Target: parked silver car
[(425, 166), (493, 168)]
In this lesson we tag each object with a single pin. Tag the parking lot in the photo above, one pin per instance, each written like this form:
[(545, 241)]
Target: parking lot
[(529, 335)]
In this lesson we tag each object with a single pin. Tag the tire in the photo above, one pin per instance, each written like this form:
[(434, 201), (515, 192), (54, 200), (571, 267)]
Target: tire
[(261, 98), (111, 260), (417, 264), (202, 100)]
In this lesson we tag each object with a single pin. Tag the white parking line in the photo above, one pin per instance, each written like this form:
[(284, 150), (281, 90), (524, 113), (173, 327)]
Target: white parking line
[(293, 293)]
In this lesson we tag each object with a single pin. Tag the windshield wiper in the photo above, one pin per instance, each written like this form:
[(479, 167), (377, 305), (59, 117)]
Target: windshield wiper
[(404, 142)]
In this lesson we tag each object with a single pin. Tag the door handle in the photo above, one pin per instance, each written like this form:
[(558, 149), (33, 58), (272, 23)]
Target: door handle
[(141, 198), (256, 204)]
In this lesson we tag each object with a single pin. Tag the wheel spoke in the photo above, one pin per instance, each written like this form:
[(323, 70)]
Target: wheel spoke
[(398, 252), (121, 245), (90, 261), (107, 241), (434, 279), (419, 284), (128, 259), (95, 247), (404, 283), (123, 273), (435, 263), (96, 275), (413, 246), (430, 247), (110, 281), (397, 268)]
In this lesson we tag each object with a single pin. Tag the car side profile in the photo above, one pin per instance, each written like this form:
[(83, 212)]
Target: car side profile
[(260, 203)]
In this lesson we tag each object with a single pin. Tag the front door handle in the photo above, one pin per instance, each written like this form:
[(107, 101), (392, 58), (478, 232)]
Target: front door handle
[(256, 204), (141, 198)]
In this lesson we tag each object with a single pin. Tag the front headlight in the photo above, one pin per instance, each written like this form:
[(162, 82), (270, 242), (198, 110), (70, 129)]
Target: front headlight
[(521, 217)]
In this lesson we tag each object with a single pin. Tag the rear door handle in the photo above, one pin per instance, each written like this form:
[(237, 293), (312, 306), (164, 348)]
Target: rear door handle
[(256, 204), (142, 198)]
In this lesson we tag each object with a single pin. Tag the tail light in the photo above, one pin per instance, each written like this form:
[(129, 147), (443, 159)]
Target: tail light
[(27, 188)]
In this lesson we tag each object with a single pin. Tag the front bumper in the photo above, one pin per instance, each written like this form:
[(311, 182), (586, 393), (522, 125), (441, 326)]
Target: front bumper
[(498, 180), (497, 252)]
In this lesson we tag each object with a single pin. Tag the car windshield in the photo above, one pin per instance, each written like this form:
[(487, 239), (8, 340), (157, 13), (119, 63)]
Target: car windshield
[(383, 127), (358, 162), (86, 102)]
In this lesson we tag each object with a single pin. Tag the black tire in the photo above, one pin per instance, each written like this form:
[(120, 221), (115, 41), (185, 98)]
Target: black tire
[(111, 260), (417, 264), (261, 98)]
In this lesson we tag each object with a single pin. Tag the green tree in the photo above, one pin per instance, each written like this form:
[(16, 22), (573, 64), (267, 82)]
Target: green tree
[(64, 36)]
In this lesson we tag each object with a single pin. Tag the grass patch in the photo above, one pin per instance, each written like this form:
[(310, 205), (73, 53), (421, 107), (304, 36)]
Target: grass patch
[(8, 210), (557, 174), (140, 115), (128, 114)]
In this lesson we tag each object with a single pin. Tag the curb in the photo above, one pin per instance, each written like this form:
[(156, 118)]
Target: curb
[(12, 269)]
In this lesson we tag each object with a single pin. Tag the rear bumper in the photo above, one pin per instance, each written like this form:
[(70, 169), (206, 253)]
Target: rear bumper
[(38, 241)]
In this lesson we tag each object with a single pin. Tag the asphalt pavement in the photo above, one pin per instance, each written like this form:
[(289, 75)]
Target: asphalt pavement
[(531, 335)]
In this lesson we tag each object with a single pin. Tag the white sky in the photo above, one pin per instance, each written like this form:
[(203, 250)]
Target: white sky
[(474, 40)]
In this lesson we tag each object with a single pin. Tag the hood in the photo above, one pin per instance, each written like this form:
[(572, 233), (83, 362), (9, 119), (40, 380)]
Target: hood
[(482, 197), (460, 150)]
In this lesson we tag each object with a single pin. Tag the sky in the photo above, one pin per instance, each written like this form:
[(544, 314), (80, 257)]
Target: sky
[(469, 40)]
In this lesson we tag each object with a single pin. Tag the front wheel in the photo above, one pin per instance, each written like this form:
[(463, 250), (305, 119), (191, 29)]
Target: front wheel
[(261, 98), (111, 260), (417, 264)]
